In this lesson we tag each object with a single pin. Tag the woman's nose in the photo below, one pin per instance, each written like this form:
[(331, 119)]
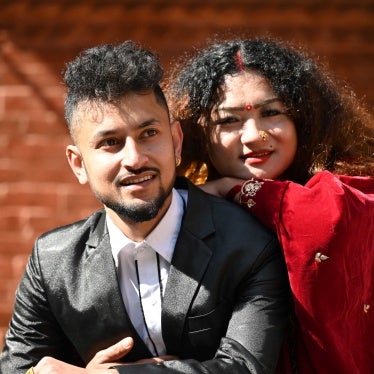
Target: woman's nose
[(250, 131)]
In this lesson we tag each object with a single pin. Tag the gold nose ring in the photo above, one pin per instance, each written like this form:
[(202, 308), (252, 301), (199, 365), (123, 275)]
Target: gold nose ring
[(263, 135)]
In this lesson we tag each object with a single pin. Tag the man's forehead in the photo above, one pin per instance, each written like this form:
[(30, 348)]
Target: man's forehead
[(95, 112), (132, 109), (89, 112)]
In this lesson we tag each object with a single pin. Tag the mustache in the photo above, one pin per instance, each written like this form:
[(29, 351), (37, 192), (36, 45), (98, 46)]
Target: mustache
[(134, 172)]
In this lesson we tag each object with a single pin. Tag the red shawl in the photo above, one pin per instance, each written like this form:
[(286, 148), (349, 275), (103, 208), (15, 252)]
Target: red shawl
[(326, 230)]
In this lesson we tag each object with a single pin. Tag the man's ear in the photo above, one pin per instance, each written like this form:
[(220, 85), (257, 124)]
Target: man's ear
[(177, 134), (76, 163)]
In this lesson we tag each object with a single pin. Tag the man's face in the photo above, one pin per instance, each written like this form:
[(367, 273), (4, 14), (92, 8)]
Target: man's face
[(126, 152)]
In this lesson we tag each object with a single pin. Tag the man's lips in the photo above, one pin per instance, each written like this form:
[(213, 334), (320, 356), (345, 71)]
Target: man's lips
[(136, 180)]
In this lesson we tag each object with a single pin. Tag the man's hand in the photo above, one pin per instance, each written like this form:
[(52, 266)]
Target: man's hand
[(100, 363), (49, 365), (109, 357), (155, 360)]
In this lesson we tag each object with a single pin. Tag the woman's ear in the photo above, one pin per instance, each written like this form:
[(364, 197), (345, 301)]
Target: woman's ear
[(76, 163), (177, 134)]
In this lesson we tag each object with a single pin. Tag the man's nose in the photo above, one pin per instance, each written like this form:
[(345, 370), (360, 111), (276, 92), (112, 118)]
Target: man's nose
[(133, 155)]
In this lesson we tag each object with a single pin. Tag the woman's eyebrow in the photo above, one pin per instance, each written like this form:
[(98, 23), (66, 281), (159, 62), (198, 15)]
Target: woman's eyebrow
[(243, 107)]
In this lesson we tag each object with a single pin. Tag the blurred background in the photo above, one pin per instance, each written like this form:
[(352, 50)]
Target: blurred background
[(37, 37)]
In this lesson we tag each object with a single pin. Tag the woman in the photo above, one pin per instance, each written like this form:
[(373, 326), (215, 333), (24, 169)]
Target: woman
[(296, 149)]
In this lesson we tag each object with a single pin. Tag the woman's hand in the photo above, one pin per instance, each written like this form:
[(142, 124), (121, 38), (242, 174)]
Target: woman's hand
[(220, 187)]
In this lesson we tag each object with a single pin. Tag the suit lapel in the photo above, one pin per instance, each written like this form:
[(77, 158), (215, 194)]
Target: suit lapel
[(113, 322), (102, 277), (190, 259)]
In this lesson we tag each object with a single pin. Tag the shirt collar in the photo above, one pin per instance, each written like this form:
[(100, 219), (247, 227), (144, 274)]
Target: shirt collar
[(162, 238)]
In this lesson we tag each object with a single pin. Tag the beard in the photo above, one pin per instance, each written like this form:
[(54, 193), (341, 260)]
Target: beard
[(138, 212)]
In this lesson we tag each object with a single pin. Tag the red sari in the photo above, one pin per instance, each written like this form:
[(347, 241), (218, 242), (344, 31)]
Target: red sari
[(326, 230)]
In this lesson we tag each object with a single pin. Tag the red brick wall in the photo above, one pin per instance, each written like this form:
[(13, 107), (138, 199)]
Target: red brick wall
[(37, 189)]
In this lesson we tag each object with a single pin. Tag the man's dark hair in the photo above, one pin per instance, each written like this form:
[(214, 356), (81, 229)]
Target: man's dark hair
[(107, 72)]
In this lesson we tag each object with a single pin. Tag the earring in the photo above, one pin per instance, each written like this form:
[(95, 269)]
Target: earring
[(263, 135), (178, 161)]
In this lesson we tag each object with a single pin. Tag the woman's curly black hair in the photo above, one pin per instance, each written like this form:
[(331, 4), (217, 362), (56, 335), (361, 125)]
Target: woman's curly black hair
[(334, 130)]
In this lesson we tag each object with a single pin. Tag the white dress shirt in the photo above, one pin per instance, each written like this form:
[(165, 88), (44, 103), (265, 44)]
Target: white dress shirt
[(138, 267)]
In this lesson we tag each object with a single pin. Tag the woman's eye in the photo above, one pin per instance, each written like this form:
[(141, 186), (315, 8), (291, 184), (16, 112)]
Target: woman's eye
[(270, 112), (226, 120)]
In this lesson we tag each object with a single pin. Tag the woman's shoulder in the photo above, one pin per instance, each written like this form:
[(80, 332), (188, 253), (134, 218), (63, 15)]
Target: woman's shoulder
[(360, 184)]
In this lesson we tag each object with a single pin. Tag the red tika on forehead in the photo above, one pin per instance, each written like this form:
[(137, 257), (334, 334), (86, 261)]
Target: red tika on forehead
[(240, 66), (239, 61)]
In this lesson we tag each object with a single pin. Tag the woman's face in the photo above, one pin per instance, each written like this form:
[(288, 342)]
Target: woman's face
[(250, 133)]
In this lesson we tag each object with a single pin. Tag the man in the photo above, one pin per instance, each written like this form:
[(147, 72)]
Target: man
[(175, 270)]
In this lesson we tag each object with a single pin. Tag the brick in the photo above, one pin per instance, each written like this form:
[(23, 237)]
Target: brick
[(37, 188)]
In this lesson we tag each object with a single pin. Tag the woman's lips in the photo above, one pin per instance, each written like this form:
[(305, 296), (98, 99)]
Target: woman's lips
[(256, 157)]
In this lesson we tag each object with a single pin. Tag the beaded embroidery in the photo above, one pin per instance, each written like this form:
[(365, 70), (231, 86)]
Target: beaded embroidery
[(249, 189)]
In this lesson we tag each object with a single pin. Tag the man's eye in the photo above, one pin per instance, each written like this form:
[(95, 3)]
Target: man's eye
[(108, 142), (149, 133)]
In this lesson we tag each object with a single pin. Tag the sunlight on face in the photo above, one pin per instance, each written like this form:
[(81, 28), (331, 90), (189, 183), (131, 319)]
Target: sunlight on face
[(126, 152), (251, 134)]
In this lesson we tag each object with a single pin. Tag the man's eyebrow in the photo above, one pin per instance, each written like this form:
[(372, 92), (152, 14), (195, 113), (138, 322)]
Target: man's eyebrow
[(243, 107), (104, 133), (149, 122)]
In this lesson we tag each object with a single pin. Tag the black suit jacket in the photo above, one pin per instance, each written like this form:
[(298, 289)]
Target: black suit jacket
[(225, 306)]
